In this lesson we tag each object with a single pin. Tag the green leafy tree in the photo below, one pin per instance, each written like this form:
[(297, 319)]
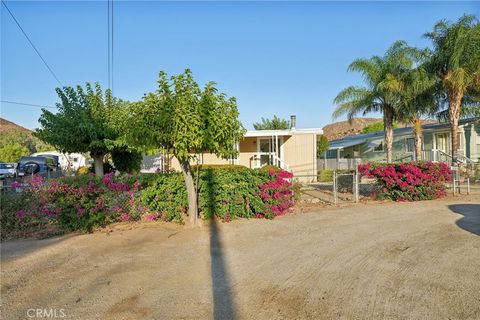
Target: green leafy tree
[(381, 91), (455, 63), (81, 123), (25, 139), (12, 152), (373, 127), (275, 123), (184, 120), (322, 145)]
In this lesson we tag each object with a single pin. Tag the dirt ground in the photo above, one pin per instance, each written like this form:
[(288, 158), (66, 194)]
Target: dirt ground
[(367, 261)]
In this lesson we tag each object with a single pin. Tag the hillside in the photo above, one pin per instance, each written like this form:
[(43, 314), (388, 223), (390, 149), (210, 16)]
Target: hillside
[(8, 126), (342, 129)]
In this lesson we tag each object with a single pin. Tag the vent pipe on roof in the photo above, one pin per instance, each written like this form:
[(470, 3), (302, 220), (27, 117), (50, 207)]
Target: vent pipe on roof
[(293, 122)]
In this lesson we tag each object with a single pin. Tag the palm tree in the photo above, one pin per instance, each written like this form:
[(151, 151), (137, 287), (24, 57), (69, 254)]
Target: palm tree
[(382, 76), (456, 65), (416, 100)]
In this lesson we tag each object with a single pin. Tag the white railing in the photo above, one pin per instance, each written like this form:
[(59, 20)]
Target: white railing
[(338, 164), (436, 155), (273, 159)]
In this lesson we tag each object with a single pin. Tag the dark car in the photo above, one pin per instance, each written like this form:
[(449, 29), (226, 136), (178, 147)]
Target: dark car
[(33, 165)]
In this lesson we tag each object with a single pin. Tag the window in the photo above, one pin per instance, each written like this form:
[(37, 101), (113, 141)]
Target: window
[(378, 148), (410, 145)]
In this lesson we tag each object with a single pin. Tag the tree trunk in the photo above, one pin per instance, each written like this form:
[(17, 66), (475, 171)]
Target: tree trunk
[(454, 108), (417, 130), (191, 192), (388, 124), (98, 165)]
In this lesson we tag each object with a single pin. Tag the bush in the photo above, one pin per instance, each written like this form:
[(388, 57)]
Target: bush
[(86, 202), (82, 171), (11, 207), (227, 192), (127, 161), (325, 175), (409, 181), (78, 203), (277, 194)]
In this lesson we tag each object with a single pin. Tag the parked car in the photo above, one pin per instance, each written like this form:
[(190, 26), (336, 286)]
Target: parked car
[(7, 170), (33, 165)]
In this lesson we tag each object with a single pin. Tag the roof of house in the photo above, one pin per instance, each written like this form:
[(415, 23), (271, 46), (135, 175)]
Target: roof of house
[(362, 138), (287, 132)]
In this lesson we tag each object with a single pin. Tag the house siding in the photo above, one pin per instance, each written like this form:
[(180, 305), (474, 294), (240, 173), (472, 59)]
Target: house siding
[(300, 154), (248, 148)]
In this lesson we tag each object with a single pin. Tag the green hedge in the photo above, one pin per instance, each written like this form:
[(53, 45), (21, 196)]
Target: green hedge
[(225, 191)]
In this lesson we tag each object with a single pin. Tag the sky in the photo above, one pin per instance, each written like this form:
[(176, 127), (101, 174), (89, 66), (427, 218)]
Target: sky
[(278, 58)]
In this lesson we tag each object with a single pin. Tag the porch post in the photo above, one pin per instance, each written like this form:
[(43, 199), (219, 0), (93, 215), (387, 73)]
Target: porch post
[(277, 153)]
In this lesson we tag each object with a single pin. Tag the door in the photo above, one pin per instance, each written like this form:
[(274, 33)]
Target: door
[(443, 142), (265, 146)]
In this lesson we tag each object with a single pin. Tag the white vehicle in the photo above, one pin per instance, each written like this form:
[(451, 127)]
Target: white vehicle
[(7, 170), (67, 161)]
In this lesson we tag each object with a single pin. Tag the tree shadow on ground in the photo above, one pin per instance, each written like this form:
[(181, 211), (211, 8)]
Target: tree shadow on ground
[(223, 305), (471, 217), (18, 248)]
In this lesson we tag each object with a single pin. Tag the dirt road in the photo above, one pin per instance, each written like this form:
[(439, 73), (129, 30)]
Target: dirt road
[(377, 261)]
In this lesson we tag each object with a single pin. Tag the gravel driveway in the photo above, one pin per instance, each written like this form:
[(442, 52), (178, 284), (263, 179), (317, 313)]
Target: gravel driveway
[(368, 261)]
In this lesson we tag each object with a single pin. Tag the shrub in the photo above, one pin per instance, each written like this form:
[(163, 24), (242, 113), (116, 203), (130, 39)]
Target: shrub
[(277, 193), (409, 181), (85, 202), (79, 203), (127, 161), (12, 224), (82, 171), (166, 195), (325, 175), (227, 192)]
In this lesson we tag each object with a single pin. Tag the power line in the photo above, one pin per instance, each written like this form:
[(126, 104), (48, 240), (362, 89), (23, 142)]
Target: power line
[(108, 43), (112, 49), (31, 43), (27, 104)]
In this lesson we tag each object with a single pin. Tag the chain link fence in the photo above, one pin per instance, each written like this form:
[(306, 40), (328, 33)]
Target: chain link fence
[(334, 187), (11, 184)]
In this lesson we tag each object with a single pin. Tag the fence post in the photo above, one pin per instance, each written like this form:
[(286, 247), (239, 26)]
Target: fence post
[(355, 184), (335, 187), (454, 181), (468, 185)]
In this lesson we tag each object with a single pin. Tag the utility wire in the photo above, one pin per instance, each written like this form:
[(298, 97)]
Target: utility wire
[(112, 49), (27, 104), (108, 43), (31, 43)]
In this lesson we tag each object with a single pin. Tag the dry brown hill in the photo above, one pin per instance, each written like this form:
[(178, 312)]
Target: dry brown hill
[(8, 126), (342, 129)]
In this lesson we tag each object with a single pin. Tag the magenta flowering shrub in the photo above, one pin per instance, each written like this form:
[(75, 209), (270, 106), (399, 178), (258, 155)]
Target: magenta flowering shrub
[(276, 194), (81, 202), (409, 181)]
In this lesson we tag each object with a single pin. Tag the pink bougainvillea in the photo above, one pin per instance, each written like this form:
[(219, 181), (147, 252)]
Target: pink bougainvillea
[(276, 194), (409, 181), (81, 204)]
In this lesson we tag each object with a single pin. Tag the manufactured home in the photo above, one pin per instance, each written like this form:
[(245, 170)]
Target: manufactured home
[(348, 152), (292, 149)]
